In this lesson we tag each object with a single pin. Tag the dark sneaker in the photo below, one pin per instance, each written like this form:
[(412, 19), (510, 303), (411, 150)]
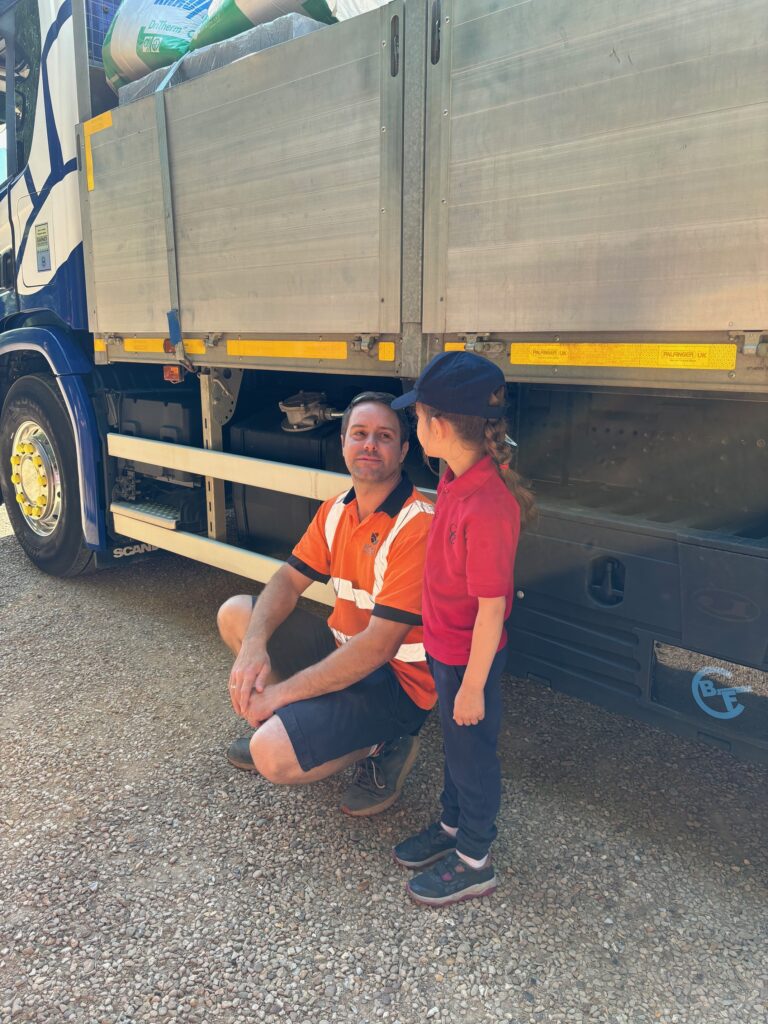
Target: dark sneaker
[(425, 848), (239, 754), (451, 880), (380, 778)]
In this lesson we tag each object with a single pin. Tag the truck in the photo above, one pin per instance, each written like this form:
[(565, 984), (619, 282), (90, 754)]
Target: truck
[(195, 282)]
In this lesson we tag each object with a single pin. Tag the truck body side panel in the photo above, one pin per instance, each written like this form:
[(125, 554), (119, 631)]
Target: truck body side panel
[(599, 167), (286, 194)]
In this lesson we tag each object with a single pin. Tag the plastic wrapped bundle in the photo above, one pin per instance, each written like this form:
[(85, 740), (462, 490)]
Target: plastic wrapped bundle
[(149, 34), (209, 58), (227, 18)]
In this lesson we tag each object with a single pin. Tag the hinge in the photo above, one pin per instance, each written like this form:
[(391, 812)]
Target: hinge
[(751, 343)]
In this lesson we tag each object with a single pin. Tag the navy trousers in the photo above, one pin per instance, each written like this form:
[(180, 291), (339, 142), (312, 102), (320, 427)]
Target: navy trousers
[(471, 794)]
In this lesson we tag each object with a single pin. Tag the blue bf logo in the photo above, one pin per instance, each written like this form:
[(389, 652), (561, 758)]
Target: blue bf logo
[(704, 689)]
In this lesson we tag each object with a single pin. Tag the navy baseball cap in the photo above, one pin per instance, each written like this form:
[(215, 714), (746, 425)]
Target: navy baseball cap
[(457, 382)]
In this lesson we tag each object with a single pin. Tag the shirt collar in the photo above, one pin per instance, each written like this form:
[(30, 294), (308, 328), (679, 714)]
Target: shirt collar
[(393, 502), (466, 484)]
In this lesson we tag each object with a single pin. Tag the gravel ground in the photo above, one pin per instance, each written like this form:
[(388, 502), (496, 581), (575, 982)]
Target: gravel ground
[(143, 879)]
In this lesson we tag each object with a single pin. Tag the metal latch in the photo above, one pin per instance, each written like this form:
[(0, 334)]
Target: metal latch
[(365, 343), (481, 343)]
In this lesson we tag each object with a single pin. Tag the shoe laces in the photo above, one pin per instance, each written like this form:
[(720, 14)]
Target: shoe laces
[(369, 775)]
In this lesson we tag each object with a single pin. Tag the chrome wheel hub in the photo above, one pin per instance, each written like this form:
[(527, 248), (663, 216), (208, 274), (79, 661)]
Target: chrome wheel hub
[(35, 478)]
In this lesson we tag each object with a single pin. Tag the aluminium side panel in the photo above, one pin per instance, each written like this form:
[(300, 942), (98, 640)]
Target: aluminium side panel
[(597, 166), (286, 169), (122, 202)]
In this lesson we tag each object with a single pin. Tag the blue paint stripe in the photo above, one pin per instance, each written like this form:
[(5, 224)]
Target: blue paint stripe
[(59, 169)]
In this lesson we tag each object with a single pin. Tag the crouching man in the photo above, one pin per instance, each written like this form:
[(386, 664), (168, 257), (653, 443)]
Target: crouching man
[(322, 697)]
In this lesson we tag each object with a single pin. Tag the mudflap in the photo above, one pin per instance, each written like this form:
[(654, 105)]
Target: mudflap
[(124, 552)]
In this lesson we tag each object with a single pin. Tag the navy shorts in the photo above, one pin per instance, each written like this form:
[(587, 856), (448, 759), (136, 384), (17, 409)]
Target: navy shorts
[(324, 728)]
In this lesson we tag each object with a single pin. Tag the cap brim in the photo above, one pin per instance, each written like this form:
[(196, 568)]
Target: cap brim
[(409, 398)]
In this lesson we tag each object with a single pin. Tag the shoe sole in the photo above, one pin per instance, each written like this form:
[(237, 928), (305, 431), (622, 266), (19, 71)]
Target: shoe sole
[(368, 812), (421, 863), (473, 892), (241, 766)]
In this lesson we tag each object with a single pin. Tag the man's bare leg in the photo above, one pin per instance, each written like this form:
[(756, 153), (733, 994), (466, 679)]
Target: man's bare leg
[(274, 757), (233, 619), (271, 749)]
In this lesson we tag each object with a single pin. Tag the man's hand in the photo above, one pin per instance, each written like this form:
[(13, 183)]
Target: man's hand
[(469, 706), (249, 674), (259, 707)]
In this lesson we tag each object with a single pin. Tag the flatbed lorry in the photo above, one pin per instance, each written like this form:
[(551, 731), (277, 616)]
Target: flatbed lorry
[(193, 284)]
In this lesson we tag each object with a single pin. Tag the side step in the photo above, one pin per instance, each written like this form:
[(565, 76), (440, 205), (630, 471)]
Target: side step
[(152, 524), (164, 516)]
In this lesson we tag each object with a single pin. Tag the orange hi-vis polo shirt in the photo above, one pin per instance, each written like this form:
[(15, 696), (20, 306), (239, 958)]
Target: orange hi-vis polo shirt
[(377, 568)]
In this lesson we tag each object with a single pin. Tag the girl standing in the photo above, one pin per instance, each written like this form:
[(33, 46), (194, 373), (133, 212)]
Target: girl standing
[(467, 597)]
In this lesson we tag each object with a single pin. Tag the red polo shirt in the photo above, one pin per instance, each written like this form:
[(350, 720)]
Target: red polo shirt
[(470, 554)]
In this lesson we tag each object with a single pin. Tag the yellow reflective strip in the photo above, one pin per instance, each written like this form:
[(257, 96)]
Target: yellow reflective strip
[(192, 346), (454, 346), (644, 355), (99, 345), (144, 344), (288, 349), (386, 351), (96, 124)]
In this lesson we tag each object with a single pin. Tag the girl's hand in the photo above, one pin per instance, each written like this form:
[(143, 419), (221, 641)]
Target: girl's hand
[(469, 706)]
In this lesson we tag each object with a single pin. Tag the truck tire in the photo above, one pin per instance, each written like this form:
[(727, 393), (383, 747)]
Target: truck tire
[(39, 477)]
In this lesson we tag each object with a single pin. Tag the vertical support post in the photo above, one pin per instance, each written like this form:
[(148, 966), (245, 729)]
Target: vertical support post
[(161, 124), (82, 80), (215, 503), (414, 51)]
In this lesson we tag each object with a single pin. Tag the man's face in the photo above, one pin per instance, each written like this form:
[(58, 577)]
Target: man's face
[(371, 446)]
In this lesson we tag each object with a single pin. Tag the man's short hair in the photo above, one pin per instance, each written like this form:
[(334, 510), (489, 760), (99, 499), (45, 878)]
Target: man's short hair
[(383, 398)]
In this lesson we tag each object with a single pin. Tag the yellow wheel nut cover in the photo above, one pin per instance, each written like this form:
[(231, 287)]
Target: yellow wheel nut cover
[(15, 479), (42, 502), (15, 460), (42, 481), (20, 498), (29, 449), (37, 461)]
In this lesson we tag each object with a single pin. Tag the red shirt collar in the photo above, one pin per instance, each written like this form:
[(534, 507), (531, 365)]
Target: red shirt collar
[(469, 482)]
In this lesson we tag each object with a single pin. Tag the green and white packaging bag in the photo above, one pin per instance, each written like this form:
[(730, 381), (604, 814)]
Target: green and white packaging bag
[(149, 34), (227, 18)]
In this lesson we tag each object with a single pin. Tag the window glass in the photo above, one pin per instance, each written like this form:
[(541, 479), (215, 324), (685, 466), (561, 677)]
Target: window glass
[(19, 35)]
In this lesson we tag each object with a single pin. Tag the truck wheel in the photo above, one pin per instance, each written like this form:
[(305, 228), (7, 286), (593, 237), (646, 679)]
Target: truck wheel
[(39, 478)]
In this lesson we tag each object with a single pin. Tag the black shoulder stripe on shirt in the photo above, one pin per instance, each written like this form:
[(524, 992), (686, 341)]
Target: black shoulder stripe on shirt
[(396, 615), (306, 570)]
